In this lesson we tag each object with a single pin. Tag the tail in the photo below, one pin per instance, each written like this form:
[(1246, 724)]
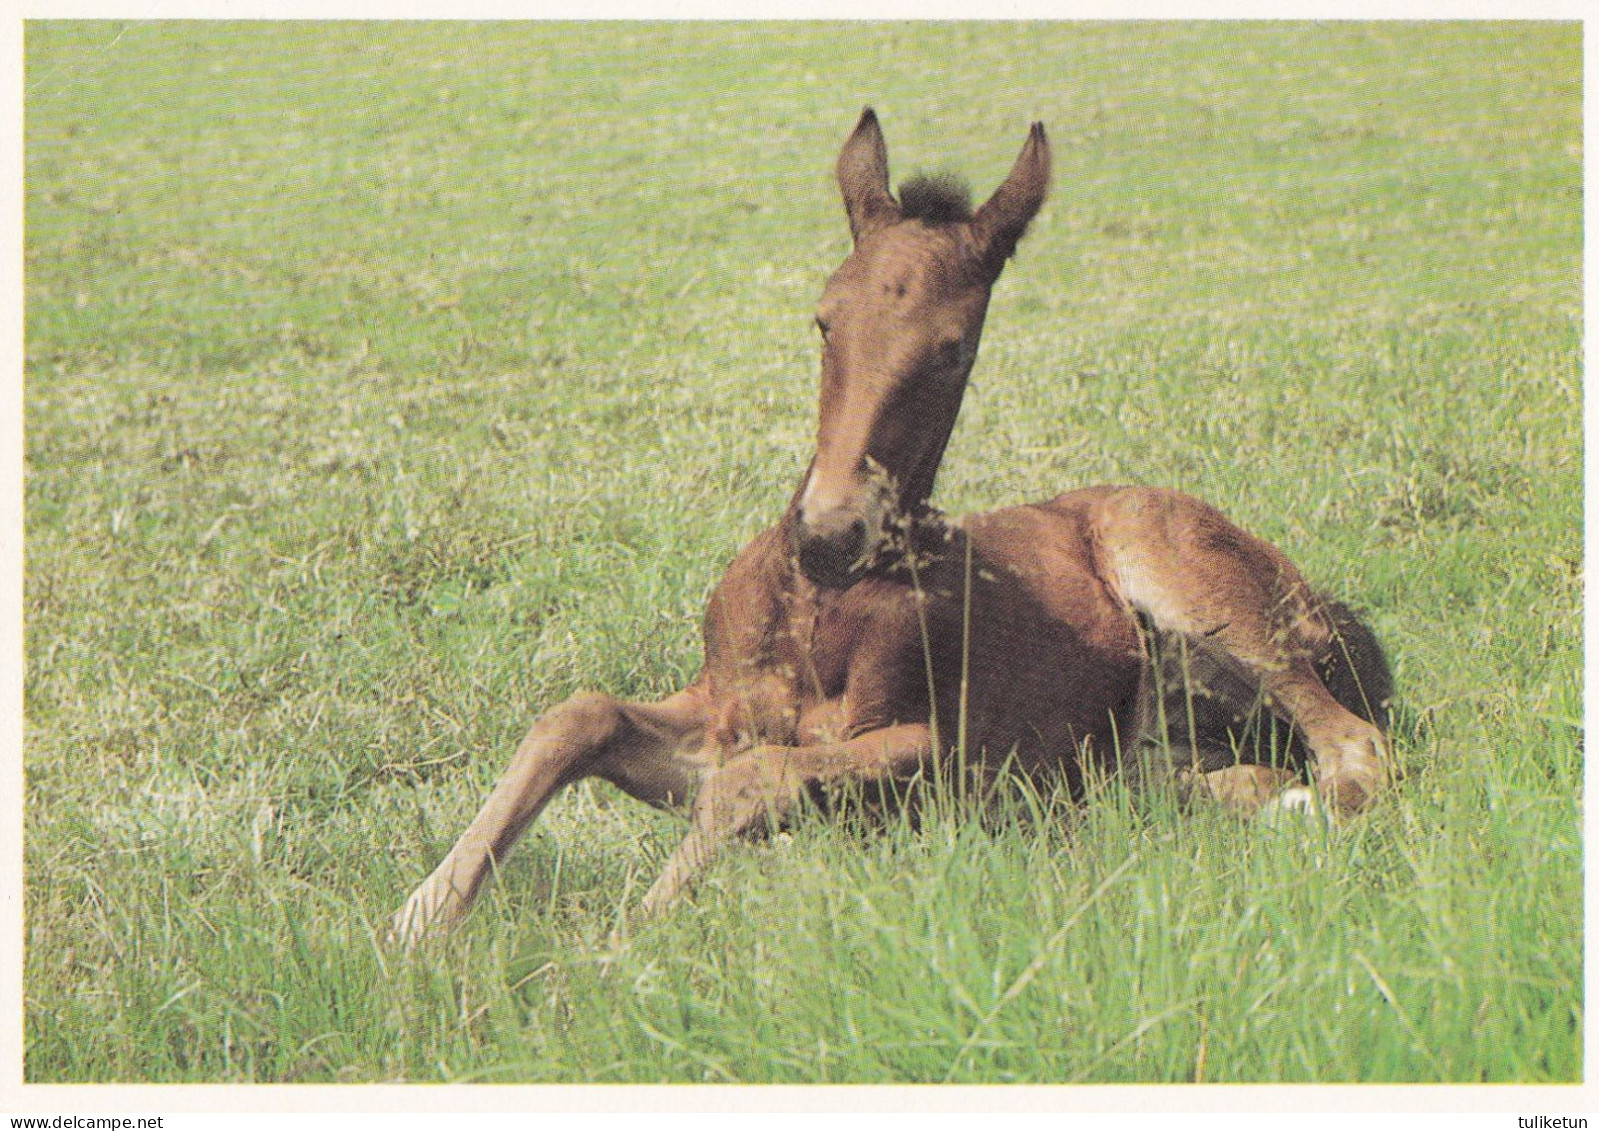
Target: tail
[(1355, 670)]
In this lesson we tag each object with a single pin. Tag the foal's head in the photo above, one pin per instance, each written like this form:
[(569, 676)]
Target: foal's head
[(900, 322)]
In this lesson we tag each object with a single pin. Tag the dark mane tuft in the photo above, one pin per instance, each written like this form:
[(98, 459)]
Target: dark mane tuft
[(935, 198)]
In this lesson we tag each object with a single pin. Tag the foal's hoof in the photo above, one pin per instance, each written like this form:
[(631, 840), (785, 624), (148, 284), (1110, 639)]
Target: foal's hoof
[(1297, 803), (406, 929), (428, 912)]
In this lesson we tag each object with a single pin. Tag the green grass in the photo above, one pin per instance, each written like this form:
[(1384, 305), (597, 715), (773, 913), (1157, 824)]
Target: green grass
[(385, 384)]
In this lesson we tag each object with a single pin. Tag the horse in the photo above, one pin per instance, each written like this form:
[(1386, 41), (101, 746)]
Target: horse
[(866, 639)]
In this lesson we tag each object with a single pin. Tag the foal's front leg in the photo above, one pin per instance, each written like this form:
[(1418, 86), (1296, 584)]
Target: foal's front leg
[(638, 746), (743, 795)]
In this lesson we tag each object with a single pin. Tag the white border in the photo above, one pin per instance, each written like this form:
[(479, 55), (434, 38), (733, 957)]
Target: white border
[(1424, 1106)]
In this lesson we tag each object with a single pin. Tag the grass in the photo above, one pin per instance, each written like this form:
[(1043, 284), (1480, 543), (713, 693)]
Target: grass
[(385, 384)]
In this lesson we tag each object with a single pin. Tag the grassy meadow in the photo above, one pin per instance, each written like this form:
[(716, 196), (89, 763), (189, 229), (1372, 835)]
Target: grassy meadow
[(386, 384)]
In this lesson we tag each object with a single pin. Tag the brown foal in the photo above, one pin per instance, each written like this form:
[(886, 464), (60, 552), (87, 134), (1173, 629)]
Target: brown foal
[(864, 638)]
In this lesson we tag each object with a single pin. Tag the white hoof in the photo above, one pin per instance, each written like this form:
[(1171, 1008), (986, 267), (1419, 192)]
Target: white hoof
[(1297, 803)]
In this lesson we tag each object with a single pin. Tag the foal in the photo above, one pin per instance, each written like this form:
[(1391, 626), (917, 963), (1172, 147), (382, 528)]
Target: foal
[(865, 636)]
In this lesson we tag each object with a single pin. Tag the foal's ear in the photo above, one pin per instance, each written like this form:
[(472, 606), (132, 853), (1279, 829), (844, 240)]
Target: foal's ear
[(863, 178), (1000, 222)]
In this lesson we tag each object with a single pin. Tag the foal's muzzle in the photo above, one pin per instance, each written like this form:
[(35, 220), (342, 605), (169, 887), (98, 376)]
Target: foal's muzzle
[(832, 553)]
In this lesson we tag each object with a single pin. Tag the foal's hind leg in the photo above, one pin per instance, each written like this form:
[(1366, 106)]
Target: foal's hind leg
[(638, 746), (1191, 571)]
